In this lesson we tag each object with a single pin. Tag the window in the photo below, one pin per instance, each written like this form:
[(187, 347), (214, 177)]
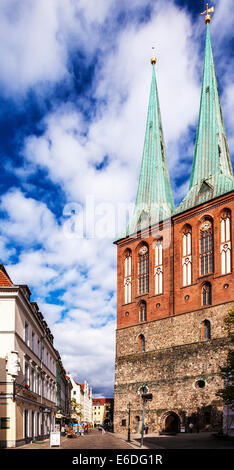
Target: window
[(141, 344), (143, 311), (225, 247), (5, 423), (206, 329), (26, 337), (33, 381), (206, 294), (143, 270), (206, 247), (25, 423), (158, 270), (200, 383), (38, 384), (26, 373), (187, 257), (123, 422), (33, 341), (128, 277), (39, 348)]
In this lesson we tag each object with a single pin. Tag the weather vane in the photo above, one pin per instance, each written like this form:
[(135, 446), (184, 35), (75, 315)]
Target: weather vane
[(153, 59), (206, 12)]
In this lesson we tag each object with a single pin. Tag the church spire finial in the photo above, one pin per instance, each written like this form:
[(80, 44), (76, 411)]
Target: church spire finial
[(206, 12), (153, 59)]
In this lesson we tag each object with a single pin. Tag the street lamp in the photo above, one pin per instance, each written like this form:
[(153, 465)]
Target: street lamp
[(145, 397), (129, 412)]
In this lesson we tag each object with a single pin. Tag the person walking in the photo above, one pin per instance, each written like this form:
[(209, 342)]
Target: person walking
[(191, 427)]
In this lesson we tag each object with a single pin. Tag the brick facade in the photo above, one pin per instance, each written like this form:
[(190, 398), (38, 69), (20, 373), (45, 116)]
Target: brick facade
[(176, 355)]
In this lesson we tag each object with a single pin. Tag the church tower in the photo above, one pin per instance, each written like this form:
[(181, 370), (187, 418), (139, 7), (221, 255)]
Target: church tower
[(175, 277)]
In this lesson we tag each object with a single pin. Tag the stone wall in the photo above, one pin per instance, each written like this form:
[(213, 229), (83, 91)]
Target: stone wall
[(174, 361), (172, 375)]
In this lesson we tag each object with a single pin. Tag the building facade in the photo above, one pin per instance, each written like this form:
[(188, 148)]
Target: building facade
[(175, 278), (63, 394), (27, 367), (82, 393), (103, 411)]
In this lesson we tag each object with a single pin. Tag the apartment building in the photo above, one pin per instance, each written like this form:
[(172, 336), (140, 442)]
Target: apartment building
[(28, 383)]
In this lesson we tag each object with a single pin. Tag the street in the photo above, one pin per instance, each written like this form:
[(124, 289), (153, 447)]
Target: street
[(93, 440), (96, 440)]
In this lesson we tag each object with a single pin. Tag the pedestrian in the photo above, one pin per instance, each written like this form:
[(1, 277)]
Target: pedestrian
[(191, 427)]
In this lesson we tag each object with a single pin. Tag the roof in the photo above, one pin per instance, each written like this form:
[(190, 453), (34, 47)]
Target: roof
[(154, 200), (102, 401), (4, 277), (212, 173)]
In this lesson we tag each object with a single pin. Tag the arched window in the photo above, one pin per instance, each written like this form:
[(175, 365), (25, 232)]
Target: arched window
[(206, 247), (206, 294), (187, 256), (143, 270), (143, 312), (141, 344), (206, 329), (158, 269), (127, 277), (225, 247)]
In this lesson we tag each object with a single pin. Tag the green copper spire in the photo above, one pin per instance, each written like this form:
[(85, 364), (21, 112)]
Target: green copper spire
[(154, 201), (212, 173)]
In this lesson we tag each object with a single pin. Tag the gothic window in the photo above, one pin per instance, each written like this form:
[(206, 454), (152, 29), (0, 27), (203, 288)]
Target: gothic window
[(127, 277), (225, 247), (143, 312), (187, 256), (158, 269), (206, 329), (141, 343), (206, 294), (206, 247), (143, 270)]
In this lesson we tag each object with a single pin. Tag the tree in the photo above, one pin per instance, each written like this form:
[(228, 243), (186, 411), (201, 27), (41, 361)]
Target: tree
[(227, 372), (76, 409)]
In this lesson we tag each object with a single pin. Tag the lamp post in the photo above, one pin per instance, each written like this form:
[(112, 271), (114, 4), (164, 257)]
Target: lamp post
[(129, 413), (145, 397)]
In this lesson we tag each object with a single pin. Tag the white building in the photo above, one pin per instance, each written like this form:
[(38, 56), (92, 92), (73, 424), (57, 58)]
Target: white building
[(27, 367), (83, 395)]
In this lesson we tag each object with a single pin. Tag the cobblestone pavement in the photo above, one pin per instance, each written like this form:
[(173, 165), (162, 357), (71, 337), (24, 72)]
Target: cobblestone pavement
[(93, 440)]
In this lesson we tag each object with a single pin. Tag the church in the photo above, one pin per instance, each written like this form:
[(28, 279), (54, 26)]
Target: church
[(175, 279)]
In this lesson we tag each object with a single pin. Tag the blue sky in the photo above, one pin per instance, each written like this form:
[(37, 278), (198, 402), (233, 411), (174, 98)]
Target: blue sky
[(74, 88)]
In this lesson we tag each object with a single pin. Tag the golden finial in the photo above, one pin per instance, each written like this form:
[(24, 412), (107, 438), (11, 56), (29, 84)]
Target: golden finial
[(153, 59), (206, 12)]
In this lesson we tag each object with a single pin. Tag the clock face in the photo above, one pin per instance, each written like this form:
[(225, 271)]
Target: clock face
[(206, 225), (143, 250)]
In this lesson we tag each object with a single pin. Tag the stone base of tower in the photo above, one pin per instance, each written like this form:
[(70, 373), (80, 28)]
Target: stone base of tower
[(182, 373)]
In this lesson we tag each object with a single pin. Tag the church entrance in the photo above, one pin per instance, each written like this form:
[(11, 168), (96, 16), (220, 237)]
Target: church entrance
[(172, 423)]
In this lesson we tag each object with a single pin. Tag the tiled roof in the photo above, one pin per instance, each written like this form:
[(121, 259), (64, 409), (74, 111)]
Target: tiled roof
[(4, 278), (102, 401)]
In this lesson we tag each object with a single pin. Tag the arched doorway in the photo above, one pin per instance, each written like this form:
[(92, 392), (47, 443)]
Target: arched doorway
[(172, 422)]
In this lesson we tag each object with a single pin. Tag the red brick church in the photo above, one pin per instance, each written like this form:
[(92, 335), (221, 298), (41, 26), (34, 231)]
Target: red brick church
[(175, 277)]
